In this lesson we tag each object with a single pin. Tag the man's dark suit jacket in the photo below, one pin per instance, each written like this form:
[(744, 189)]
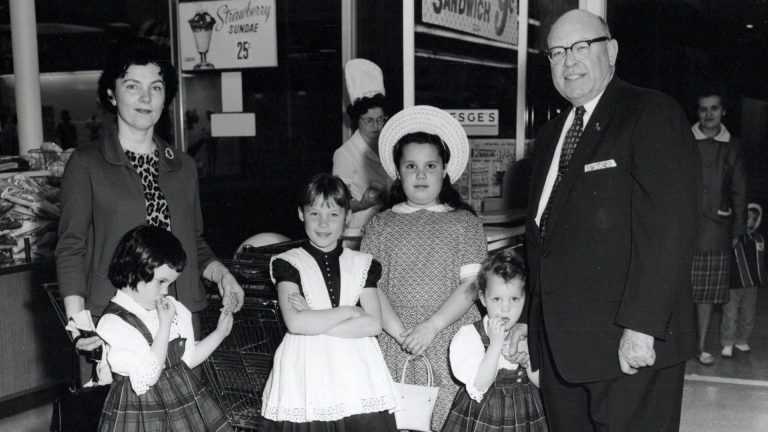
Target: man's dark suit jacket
[(620, 239)]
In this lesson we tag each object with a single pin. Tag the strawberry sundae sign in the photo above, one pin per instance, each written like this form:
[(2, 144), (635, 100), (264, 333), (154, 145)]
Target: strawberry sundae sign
[(227, 34)]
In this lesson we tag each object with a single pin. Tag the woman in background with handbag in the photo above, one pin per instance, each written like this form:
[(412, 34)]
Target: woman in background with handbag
[(497, 394), (723, 209)]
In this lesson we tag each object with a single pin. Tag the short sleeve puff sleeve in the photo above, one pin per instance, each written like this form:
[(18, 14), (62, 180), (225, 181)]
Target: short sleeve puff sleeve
[(466, 352), (128, 354), (283, 271), (474, 246)]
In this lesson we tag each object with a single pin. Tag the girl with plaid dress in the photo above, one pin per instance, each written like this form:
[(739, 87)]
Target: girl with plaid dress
[(150, 343), (497, 395)]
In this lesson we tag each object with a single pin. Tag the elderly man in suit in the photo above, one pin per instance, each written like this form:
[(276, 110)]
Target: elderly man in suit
[(610, 238)]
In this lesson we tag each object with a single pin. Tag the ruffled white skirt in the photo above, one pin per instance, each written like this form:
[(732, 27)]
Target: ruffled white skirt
[(327, 378)]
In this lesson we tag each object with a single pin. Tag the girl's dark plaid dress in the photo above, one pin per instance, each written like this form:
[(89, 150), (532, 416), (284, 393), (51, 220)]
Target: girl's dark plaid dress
[(177, 402), (511, 404)]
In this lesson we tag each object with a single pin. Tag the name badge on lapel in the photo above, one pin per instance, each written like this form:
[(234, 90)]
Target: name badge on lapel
[(610, 163)]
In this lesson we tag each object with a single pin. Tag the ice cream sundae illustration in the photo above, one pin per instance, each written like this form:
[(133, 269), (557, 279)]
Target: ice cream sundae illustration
[(202, 28)]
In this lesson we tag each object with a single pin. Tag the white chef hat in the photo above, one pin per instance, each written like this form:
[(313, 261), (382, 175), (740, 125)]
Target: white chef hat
[(364, 79)]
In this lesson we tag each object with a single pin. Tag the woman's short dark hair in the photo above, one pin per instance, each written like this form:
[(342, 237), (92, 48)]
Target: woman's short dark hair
[(362, 105), (712, 88), (448, 194), (505, 264), (141, 52), (142, 250), (328, 188)]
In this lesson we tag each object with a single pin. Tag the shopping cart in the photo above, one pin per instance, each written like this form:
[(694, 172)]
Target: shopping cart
[(260, 256), (240, 366)]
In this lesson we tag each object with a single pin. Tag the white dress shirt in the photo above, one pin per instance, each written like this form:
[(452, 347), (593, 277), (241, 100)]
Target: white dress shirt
[(589, 108)]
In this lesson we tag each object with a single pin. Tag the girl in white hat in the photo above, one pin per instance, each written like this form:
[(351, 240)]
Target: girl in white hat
[(430, 244)]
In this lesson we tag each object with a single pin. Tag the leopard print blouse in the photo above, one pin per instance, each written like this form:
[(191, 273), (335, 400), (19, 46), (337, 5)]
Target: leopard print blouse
[(147, 166)]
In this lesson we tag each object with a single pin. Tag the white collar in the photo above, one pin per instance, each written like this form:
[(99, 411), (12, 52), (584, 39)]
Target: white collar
[(722, 136), (589, 108), (403, 207)]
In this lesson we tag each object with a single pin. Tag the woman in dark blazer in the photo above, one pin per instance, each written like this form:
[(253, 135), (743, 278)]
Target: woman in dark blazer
[(132, 177)]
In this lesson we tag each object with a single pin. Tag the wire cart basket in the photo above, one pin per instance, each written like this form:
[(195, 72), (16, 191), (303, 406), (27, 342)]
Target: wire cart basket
[(240, 366)]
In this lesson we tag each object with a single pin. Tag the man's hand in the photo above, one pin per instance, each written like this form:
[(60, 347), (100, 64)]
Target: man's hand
[(517, 333), (635, 351)]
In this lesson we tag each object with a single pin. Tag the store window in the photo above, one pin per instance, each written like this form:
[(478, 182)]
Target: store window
[(248, 183), (466, 62), (73, 39)]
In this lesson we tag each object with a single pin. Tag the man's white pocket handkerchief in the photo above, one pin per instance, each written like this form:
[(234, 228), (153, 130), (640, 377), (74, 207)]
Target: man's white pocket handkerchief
[(610, 163)]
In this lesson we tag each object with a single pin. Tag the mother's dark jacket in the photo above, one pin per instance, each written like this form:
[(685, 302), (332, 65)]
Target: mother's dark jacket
[(102, 198)]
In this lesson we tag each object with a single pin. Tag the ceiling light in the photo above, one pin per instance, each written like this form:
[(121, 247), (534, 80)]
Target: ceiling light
[(749, 26)]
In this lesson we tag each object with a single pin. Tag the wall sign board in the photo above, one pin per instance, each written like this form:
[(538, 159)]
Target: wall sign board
[(492, 19), (227, 34)]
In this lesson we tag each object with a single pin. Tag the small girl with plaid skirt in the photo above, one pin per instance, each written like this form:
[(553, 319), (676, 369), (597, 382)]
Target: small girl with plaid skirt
[(497, 394), (151, 345)]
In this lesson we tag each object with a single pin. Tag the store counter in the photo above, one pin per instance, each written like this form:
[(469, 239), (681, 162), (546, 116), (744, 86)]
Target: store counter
[(504, 228), (35, 359)]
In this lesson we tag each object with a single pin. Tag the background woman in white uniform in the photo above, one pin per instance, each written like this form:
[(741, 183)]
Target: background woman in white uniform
[(357, 161)]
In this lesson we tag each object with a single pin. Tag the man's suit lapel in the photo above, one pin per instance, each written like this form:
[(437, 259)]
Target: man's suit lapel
[(590, 136)]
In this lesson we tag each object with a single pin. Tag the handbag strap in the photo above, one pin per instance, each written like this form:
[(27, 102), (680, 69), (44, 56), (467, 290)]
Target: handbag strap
[(430, 376)]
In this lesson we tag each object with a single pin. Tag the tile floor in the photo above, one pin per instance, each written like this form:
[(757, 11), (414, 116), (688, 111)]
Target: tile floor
[(731, 395)]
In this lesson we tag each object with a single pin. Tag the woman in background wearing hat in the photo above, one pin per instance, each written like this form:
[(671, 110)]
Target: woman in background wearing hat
[(430, 244), (357, 162)]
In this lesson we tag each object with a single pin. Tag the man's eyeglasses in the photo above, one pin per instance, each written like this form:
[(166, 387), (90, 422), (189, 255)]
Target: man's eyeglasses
[(579, 49), (371, 122)]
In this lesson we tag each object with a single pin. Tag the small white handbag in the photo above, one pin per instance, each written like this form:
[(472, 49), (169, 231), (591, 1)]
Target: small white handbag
[(416, 401)]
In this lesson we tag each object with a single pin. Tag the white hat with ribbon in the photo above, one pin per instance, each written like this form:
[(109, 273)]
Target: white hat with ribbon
[(425, 118)]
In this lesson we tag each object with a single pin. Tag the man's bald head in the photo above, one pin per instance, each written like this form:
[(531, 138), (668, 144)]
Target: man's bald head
[(581, 79)]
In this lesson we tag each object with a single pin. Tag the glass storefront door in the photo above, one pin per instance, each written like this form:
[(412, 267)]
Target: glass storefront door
[(248, 183)]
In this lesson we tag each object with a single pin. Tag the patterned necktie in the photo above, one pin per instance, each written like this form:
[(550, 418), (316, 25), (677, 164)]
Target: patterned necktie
[(569, 145)]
